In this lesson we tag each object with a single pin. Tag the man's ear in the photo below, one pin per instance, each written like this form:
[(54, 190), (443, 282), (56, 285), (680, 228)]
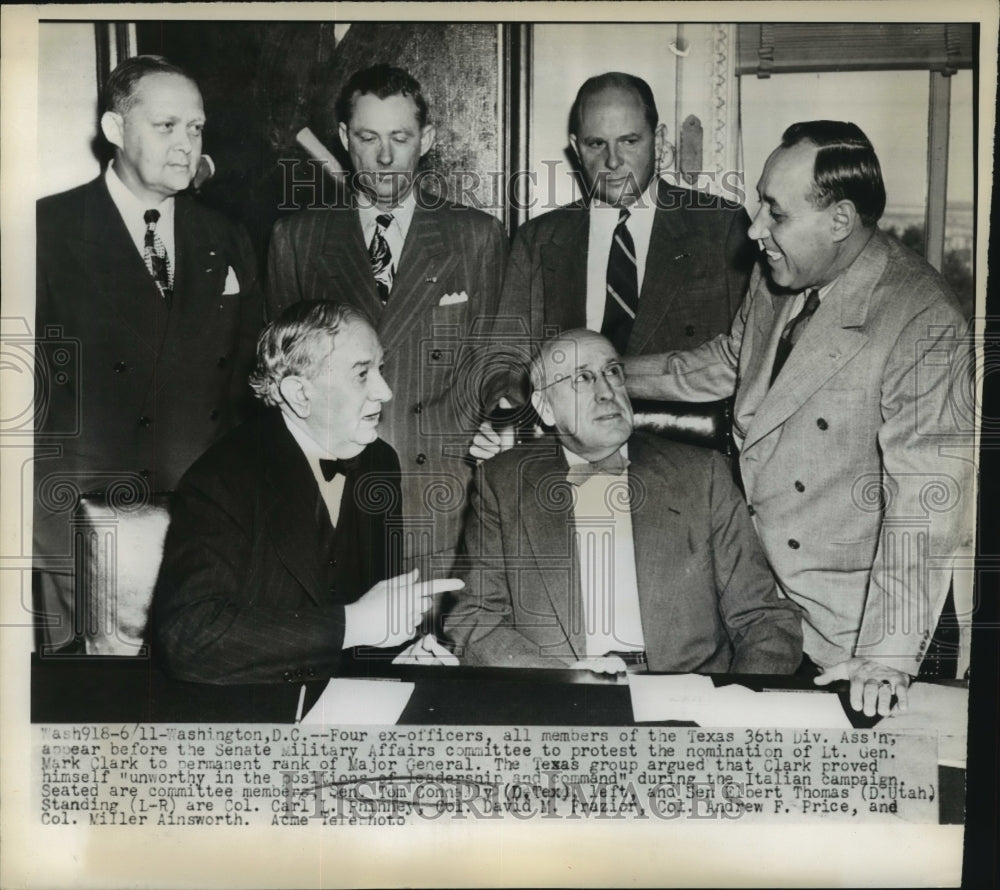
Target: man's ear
[(427, 135), (575, 146), (342, 132), (542, 409), (295, 393), (113, 128), (843, 219)]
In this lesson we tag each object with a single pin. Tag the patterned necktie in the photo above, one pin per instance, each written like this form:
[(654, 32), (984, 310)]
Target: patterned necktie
[(792, 332), (613, 464), (381, 257), (329, 468), (155, 256), (622, 301)]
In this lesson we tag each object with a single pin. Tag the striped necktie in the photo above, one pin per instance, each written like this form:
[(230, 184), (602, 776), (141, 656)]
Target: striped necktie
[(622, 301), (793, 331), (155, 256), (381, 257)]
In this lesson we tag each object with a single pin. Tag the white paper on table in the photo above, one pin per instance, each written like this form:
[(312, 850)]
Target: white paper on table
[(941, 709), (352, 702), (696, 698)]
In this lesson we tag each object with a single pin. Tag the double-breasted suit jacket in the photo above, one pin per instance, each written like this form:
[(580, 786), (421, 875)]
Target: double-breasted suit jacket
[(708, 602), (254, 577), (696, 272), (433, 349), (857, 461), (132, 387)]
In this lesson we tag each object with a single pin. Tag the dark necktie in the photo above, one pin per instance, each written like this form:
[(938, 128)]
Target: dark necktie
[(330, 468), (622, 300), (381, 257), (792, 332), (614, 464), (155, 255)]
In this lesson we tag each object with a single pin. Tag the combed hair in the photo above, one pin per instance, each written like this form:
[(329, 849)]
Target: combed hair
[(296, 343), (381, 81), (846, 167), (614, 80), (119, 91)]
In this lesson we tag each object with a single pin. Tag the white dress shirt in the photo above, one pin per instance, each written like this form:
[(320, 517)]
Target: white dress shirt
[(603, 221), (331, 491), (602, 520), (395, 233), (133, 210)]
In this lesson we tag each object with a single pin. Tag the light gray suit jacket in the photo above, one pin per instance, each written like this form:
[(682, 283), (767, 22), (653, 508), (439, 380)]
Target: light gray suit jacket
[(857, 463)]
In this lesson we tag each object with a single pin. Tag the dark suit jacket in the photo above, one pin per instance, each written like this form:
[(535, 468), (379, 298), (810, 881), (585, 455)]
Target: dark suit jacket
[(696, 272), (134, 389), (432, 351), (707, 600), (248, 591)]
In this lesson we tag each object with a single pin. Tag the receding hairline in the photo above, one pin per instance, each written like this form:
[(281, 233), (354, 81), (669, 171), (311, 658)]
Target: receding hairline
[(577, 337)]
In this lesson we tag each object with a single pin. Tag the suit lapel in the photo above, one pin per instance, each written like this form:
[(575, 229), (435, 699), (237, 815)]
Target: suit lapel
[(548, 527), (832, 338), (420, 275), (344, 257), (664, 276), (291, 498), (564, 270), (660, 531)]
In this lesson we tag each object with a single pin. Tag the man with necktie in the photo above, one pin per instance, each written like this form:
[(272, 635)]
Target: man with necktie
[(425, 272), (284, 535), (847, 359), (650, 265), (147, 311), (603, 548)]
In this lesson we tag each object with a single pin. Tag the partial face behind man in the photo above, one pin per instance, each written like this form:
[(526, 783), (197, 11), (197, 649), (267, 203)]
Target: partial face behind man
[(616, 145), (385, 142), (158, 137), (579, 388), (800, 240)]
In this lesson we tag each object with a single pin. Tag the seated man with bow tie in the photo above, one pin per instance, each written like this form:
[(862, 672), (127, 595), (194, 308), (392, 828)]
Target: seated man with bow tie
[(602, 548), (284, 534)]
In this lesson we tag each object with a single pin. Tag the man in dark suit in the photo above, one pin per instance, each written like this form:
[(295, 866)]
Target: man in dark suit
[(147, 311), (425, 272), (650, 265), (284, 533), (849, 364), (603, 547)]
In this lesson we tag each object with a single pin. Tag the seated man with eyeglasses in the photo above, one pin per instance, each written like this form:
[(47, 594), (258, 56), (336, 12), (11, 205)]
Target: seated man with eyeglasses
[(606, 549)]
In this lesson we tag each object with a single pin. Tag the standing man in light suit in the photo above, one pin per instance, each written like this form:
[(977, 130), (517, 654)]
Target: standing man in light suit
[(159, 296), (425, 272), (845, 359)]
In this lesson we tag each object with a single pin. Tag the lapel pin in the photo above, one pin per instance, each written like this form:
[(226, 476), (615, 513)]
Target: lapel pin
[(682, 256), (431, 280)]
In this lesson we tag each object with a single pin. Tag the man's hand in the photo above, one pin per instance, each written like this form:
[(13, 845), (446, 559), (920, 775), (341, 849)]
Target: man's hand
[(426, 650), (389, 613), (488, 442), (872, 685), (603, 664)]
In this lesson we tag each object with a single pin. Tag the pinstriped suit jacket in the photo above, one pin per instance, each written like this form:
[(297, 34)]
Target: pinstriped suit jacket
[(857, 462), (433, 352)]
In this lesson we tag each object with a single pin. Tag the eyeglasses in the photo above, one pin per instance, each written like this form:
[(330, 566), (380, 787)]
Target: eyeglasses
[(584, 379)]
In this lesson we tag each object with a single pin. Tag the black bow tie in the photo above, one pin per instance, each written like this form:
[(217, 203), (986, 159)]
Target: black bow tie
[(329, 468), (614, 464)]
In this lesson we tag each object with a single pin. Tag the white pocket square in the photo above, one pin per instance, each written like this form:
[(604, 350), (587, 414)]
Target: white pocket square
[(451, 299), (232, 283)]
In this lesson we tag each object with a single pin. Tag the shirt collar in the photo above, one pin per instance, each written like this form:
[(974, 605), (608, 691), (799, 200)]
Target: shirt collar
[(313, 451), (129, 206), (401, 214), (574, 459), (643, 206)]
